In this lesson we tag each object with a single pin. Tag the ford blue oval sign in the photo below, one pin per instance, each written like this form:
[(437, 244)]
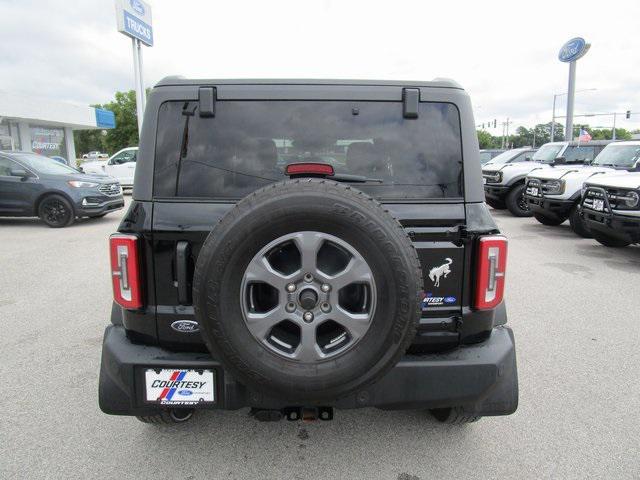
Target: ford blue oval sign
[(137, 6), (573, 50)]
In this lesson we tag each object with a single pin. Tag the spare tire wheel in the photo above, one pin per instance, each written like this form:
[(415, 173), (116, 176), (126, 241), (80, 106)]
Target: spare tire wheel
[(308, 290)]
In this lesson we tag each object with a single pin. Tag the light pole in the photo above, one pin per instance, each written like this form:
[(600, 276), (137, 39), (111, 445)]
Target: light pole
[(553, 115)]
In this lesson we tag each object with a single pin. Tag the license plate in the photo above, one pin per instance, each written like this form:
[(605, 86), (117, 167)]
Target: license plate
[(533, 191), (170, 386), (598, 204), (484, 180)]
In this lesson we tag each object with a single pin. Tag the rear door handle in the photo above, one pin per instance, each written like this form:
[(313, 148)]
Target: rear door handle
[(183, 253)]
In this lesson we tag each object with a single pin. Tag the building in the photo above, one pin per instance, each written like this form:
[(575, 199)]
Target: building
[(46, 126)]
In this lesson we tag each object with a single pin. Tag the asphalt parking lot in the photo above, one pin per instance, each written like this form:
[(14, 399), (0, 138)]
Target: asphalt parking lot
[(572, 303)]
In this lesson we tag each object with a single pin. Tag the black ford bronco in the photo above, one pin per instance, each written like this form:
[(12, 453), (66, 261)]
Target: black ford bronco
[(299, 246)]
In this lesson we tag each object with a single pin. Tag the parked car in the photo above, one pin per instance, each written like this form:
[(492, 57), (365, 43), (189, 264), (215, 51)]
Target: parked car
[(32, 185), (488, 154), (553, 194), (298, 290), (94, 155), (504, 184), (610, 209), (121, 166), (516, 155)]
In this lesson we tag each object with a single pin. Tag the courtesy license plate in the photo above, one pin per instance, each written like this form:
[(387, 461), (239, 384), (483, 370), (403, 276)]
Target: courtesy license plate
[(534, 191), (598, 205), (179, 386)]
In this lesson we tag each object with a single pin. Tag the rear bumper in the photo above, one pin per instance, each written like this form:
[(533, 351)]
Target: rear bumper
[(481, 377), (550, 207), (618, 226), (496, 192)]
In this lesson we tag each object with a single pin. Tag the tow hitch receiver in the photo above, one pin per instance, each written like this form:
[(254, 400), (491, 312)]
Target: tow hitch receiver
[(306, 414)]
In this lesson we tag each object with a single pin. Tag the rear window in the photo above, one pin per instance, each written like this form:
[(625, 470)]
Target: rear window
[(248, 144)]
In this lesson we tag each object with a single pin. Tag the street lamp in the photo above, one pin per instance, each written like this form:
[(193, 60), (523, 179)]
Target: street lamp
[(553, 116)]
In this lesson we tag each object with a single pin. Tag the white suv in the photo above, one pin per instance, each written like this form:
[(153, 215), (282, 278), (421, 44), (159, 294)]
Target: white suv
[(504, 184), (611, 208), (121, 166), (553, 194)]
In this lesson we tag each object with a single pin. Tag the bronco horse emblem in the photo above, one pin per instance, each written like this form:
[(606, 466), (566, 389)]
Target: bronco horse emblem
[(437, 272)]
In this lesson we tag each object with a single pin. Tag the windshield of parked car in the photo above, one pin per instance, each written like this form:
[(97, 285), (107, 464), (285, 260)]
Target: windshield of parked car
[(504, 157), (547, 153), (613, 155), (43, 164), (485, 157), (248, 144)]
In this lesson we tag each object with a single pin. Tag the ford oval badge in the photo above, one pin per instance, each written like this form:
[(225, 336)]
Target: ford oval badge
[(138, 6), (573, 50), (185, 326)]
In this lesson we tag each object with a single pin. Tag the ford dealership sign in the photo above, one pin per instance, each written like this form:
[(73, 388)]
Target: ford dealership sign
[(573, 50), (134, 20)]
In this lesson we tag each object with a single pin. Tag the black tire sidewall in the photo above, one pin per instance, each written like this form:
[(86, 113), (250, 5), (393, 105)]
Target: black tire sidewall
[(496, 204), (609, 241), (548, 221), (270, 214), (512, 201), (577, 224), (67, 205)]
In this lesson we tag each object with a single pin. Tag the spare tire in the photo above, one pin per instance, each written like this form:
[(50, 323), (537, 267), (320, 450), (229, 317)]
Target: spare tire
[(308, 290)]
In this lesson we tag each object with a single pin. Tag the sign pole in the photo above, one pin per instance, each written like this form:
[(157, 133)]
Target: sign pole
[(143, 93), (571, 92), (136, 73), (570, 53), (553, 120)]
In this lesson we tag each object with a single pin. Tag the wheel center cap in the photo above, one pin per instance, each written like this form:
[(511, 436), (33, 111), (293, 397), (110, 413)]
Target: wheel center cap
[(308, 299)]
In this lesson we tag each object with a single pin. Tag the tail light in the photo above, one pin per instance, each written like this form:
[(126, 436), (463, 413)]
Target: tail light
[(492, 263), (125, 270)]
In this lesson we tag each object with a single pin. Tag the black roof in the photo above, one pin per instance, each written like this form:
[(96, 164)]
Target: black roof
[(177, 80)]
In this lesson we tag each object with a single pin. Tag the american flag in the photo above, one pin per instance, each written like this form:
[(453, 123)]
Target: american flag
[(584, 136)]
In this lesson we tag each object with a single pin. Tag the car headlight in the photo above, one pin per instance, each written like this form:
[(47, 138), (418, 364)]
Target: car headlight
[(493, 177), (554, 187), (81, 184), (632, 199)]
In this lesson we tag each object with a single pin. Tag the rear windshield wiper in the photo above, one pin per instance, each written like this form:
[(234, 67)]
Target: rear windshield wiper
[(346, 177)]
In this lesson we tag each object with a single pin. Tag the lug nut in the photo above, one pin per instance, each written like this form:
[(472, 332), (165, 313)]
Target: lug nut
[(325, 287), (307, 317), (325, 307), (290, 307), (291, 288), (308, 277)]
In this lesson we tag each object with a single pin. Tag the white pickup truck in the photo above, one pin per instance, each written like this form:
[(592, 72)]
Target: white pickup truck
[(121, 166), (553, 194), (504, 184)]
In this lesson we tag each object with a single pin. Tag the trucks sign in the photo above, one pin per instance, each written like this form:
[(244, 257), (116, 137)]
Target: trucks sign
[(134, 20)]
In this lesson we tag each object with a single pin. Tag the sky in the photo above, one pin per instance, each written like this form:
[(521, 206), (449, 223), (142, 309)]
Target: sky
[(504, 53)]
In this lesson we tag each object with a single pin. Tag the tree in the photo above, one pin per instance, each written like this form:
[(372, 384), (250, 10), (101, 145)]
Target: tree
[(607, 133), (485, 139), (124, 135), (126, 132), (89, 140)]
